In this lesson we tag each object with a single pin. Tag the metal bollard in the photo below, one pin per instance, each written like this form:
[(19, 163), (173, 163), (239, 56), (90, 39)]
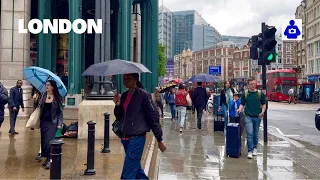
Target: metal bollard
[(56, 152), (106, 147), (91, 146)]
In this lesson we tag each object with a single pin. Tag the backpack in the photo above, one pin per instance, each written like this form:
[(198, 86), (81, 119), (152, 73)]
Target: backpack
[(181, 98), (171, 99), (246, 94)]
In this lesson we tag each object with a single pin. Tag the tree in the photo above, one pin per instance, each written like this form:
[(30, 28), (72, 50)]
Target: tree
[(162, 60)]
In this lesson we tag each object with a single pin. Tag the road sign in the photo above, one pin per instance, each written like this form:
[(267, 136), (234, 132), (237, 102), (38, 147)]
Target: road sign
[(214, 70)]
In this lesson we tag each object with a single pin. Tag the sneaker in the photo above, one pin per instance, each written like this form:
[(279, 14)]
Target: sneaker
[(181, 129), (255, 152), (249, 155)]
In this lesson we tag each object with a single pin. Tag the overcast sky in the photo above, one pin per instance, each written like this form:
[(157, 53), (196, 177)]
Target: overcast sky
[(238, 17)]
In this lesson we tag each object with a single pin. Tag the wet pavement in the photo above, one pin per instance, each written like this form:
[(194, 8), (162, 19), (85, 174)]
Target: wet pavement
[(17, 156), (200, 154), (295, 121)]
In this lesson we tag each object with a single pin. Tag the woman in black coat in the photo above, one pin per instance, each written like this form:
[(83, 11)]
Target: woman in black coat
[(138, 114), (50, 119)]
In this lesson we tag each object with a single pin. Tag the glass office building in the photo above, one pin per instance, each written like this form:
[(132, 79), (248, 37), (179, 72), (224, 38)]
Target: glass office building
[(166, 29), (204, 36)]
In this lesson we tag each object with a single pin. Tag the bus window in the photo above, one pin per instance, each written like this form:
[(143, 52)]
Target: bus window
[(285, 74), (276, 74), (277, 88)]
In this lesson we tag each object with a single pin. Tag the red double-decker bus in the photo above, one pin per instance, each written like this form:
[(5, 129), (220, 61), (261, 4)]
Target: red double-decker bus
[(278, 84)]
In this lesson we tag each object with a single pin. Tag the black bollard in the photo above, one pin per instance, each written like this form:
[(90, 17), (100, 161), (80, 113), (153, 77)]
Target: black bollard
[(56, 152), (106, 147), (91, 145)]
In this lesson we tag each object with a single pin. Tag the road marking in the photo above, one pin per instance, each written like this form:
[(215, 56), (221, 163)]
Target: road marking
[(280, 132), (150, 152)]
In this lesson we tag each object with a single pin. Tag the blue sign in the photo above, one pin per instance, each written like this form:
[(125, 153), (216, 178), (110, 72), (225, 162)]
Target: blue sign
[(313, 78), (214, 70)]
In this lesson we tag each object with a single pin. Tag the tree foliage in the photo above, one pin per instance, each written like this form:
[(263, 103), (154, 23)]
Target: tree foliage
[(162, 60)]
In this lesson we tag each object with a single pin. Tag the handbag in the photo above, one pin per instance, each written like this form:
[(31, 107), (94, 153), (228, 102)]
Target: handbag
[(117, 127), (34, 120)]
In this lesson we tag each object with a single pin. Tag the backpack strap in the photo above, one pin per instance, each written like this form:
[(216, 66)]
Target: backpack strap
[(259, 94), (245, 94)]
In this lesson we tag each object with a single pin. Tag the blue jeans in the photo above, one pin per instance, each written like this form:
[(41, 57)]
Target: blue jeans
[(252, 125), (182, 111), (132, 167), (173, 110), (225, 112)]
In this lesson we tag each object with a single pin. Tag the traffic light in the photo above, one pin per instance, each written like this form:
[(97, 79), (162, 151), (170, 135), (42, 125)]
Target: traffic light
[(253, 48), (269, 45)]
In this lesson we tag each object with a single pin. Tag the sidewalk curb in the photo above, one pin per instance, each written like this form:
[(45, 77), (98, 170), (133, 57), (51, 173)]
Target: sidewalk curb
[(149, 156)]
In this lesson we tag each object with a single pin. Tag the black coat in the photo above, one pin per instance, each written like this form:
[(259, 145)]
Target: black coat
[(4, 98), (56, 109), (141, 115), (16, 98)]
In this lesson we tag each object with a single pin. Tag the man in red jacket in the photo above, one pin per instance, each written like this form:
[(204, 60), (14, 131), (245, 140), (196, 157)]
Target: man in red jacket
[(183, 100)]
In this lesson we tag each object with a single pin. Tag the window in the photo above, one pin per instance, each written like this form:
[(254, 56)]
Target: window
[(310, 66), (245, 74), (317, 44), (237, 74), (279, 48), (288, 48), (288, 59), (318, 65), (245, 63), (279, 60), (310, 50), (237, 64)]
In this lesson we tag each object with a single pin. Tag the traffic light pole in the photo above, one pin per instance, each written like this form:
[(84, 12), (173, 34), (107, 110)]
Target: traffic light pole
[(264, 87)]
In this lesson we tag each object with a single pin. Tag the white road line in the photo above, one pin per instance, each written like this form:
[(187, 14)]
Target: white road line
[(280, 132), (150, 152)]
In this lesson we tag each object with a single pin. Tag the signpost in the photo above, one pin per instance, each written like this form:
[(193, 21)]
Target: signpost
[(214, 70)]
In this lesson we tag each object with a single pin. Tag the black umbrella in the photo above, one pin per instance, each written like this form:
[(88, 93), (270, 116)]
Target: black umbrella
[(115, 67), (167, 87)]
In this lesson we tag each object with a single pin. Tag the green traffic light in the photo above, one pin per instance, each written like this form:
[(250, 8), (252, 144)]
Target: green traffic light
[(270, 57)]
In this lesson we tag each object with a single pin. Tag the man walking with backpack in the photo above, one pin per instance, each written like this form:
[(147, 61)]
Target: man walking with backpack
[(182, 102), (254, 103), (4, 98)]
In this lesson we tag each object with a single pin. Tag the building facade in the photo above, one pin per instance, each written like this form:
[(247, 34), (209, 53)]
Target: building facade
[(242, 63), (286, 55), (183, 65), (166, 30), (204, 36), (215, 56), (239, 41), (300, 53), (312, 39), (73, 52)]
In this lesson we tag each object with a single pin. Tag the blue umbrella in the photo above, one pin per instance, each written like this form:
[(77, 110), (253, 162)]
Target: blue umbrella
[(38, 76), (203, 78)]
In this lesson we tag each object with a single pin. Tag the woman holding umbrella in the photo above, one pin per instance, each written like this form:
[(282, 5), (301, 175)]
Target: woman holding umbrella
[(50, 105), (50, 119)]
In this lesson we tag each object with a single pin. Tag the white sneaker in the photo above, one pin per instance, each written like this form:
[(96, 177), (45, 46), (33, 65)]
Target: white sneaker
[(181, 129), (249, 155), (255, 152)]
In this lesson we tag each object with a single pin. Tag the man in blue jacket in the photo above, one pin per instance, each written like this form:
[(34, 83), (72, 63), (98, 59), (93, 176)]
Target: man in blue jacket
[(4, 98), (15, 102), (199, 101)]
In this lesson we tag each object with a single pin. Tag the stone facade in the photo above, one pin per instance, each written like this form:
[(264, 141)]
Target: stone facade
[(15, 47)]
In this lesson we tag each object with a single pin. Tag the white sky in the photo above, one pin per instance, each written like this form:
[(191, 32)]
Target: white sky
[(238, 17)]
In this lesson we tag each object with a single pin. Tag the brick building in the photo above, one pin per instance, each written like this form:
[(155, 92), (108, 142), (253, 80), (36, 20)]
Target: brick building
[(220, 55)]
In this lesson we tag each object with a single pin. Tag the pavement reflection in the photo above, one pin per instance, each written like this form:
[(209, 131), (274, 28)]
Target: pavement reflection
[(200, 154)]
